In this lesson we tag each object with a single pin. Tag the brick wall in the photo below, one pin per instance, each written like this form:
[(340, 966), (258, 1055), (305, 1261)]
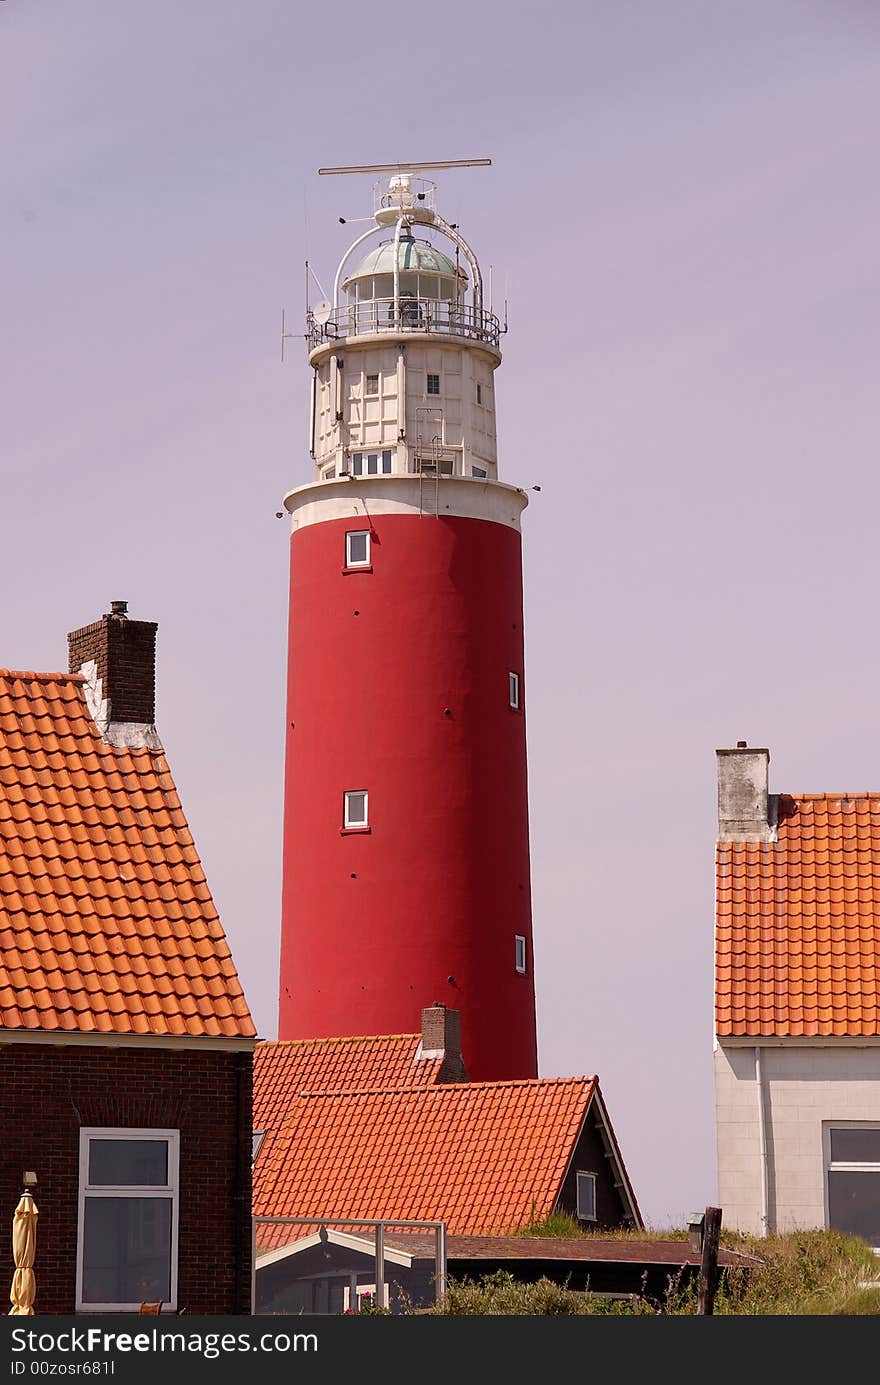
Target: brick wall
[(49, 1092), (125, 653)]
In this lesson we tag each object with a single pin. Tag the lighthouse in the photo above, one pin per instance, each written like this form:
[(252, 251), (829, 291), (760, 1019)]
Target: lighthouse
[(406, 878)]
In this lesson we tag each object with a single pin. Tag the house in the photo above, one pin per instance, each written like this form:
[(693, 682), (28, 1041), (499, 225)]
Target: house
[(370, 1129), (126, 1039), (333, 1271), (797, 1011)]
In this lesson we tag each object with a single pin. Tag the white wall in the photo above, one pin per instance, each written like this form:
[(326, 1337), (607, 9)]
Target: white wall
[(804, 1086)]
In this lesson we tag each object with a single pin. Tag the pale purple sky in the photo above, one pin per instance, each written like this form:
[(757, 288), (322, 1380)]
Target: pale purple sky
[(684, 205)]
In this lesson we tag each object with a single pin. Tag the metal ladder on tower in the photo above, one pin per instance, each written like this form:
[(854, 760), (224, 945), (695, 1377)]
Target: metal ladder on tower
[(429, 481)]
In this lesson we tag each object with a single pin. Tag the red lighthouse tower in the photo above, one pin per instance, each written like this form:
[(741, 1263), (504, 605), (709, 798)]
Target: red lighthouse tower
[(406, 849)]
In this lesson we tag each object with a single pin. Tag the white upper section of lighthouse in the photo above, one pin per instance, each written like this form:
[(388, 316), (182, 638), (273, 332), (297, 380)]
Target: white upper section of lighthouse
[(404, 355)]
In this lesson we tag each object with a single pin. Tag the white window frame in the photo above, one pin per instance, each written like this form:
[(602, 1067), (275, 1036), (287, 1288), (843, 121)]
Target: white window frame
[(520, 953), (347, 820), (582, 1216), (163, 1191), (356, 562), (368, 376), (841, 1166), (429, 376), (513, 690), (382, 456), (365, 1291)]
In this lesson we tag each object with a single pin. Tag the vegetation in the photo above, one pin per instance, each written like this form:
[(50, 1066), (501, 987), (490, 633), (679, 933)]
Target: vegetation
[(808, 1272)]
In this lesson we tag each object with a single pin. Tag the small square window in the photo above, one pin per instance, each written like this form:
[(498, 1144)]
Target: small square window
[(513, 689), (586, 1196), (372, 384), (479, 394), (479, 472), (357, 548), (354, 812), (519, 951), (433, 384)]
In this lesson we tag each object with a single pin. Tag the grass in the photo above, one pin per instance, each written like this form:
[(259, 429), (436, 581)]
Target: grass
[(816, 1273)]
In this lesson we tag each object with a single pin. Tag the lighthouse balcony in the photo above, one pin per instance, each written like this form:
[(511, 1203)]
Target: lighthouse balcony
[(375, 316)]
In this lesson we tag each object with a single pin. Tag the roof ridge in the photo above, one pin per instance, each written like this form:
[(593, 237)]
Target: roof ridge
[(341, 1039), (35, 677), (823, 797), (442, 1087)]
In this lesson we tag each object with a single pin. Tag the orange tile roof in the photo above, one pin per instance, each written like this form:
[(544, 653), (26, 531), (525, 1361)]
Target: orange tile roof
[(284, 1070), (797, 937), (107, 924), (485, 1157)]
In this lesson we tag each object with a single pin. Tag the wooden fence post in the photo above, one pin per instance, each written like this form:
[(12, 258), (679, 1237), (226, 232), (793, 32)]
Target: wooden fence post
[(709, 1260)]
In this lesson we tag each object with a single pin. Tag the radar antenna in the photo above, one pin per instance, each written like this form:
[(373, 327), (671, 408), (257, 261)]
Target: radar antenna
[(416, 167)]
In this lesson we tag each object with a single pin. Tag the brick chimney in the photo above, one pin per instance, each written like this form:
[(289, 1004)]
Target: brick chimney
[(746, 811), (117, 658), (441, 1038)]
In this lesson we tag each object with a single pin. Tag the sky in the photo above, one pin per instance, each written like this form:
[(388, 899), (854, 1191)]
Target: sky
[(682, 211)]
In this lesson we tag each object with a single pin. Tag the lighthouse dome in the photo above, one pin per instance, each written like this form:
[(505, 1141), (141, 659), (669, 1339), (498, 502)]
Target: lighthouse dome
[(413, 256)]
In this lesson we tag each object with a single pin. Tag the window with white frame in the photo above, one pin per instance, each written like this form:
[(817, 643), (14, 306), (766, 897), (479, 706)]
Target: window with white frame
[(354, 808), (853, 1179), (433, 384), (128, 1219), (586, 1196), (357, 548), (371, 385), (519, 952), (371, 463), (513, 689)]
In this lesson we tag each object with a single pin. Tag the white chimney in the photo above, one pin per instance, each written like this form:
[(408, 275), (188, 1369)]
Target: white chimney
[(744, 804)]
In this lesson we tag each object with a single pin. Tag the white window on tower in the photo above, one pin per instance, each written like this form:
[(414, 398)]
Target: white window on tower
[(513, 689), (586, 1196), (354, 808), (519, 953), (433, 384), (372, 384), (126, 1252), (357, 548)]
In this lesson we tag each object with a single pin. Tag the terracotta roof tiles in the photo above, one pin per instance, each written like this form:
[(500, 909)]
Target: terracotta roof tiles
[(106, 921), (797, 936), (485, 1157)]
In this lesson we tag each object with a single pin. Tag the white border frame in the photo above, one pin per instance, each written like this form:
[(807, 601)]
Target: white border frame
[(346, 818), (172, 1187), (841, 1166), (585, 1173), (349, 535), (517, 939)]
